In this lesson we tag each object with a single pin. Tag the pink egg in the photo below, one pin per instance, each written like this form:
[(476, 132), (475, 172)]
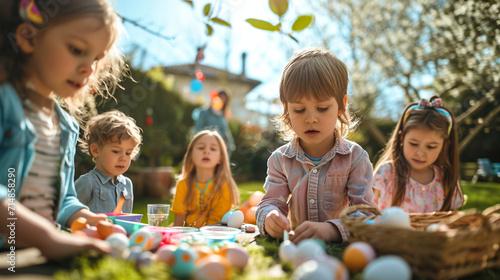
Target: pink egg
[(91, 232), (119, 229), (235, 255), (165, 252), (212, 267)]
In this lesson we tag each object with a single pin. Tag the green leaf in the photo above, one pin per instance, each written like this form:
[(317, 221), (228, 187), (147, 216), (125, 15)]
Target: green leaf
[(293, 38), (210, 30), (279, 7), (189, 2), (220, 21), (206, 9), (261, 24), (302, 22)]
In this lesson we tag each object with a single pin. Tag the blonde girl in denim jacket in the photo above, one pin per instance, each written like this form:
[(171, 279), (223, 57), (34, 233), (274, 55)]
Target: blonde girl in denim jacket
[(318, 173), (52, 53)]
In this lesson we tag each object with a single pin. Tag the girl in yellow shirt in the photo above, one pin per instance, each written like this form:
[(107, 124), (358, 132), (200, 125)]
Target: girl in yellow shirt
[(205, 188)]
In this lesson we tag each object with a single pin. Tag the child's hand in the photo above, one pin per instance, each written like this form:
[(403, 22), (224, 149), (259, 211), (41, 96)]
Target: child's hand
[(324, 231), (275, 223), (94, 219)]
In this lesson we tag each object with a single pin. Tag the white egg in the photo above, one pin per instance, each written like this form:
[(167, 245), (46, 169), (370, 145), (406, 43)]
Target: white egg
[(118, 241), (313, 270), (287, 251), (394, 217), (387, 268), (236, 219), (308, 249), (145, 239), (437, 227)]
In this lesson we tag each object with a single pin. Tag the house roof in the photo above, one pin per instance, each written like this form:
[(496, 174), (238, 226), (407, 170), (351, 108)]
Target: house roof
[(209, 72)]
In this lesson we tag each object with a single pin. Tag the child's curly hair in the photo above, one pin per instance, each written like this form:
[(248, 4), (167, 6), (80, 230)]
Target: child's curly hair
[(110, 127)]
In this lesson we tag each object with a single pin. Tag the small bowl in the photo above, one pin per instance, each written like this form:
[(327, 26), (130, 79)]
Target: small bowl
[(186, 229), (124, 216), (169, 233), (129, 226), (216, 234)]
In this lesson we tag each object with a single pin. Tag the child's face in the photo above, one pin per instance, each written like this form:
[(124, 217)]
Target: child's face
[(314, 122), (421, 147), (113, 158), (206, 152), (64, 56)]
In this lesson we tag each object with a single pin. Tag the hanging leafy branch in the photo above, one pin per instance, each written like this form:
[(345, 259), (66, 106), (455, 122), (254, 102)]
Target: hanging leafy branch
[(209, 18), (279, 8)]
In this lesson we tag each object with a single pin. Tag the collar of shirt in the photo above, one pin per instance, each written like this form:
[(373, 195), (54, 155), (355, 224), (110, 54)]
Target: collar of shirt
[(105, 178), (294, 149)]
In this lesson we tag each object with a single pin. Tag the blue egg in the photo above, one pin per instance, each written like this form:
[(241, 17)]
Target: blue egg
[(181, 261), (226, 216), (370, 222)]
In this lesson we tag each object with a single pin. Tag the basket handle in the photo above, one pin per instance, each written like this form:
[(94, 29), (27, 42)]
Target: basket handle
[(360, 207), (490, 210), (462, 215)]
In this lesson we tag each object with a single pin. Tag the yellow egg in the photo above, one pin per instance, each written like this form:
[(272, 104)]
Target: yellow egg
[(357, 256)]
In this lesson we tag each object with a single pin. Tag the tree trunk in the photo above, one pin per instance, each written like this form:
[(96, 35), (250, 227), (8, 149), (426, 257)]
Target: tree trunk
[(477, 129), (375, 132)]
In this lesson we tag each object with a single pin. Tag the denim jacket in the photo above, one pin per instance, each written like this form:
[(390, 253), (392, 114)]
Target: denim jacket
[(98, 191), (17, 152), (318, 193)]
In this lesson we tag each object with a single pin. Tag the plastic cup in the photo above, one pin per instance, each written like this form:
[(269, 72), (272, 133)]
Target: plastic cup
[(158, 214)]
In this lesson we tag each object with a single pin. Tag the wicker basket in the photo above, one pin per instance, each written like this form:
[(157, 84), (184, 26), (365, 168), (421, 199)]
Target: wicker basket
[(471, 244)]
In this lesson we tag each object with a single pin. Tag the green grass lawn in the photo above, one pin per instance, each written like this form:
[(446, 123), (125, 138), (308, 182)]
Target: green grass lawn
[(481, 195)]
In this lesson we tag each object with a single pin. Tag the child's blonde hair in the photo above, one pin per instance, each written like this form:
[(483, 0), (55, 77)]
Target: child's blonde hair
[(12, 60), (110, 127), (447, 161), (222, 171), (313, 73)]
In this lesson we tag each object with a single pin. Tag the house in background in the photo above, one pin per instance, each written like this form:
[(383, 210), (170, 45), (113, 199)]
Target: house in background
[(236, 85)]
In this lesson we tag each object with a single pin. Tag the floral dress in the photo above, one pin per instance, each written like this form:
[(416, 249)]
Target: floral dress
[(419, 198)]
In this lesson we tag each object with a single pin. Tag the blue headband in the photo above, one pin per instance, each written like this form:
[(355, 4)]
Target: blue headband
[(436, 104)]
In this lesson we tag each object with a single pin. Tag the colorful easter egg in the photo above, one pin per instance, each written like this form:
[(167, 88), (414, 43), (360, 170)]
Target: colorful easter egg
[(394, 217), (213, 267), (312, 269), (255, 198), (387, 268), (181, 261), (235, 220), (358, 255), (287, 251), (337, 268), (308, 249), (235, 254)]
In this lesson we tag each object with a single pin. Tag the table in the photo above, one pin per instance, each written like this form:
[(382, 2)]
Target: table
[(30, 264)]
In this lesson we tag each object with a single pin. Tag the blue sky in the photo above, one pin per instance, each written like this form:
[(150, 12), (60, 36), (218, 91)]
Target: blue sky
[(267, 52)]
